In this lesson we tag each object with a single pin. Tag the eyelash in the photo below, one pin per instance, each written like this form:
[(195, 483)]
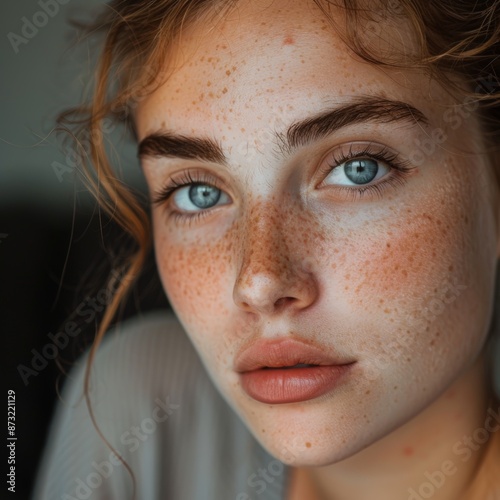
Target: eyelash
[(400, 170)]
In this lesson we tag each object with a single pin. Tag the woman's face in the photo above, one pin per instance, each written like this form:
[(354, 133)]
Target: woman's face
[(332, 214)]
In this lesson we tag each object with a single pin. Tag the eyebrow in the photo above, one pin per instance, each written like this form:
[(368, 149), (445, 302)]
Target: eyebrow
[(359, 110)]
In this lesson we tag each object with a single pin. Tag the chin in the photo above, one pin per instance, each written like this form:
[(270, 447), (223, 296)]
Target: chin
[(299, 451), (309, 435)]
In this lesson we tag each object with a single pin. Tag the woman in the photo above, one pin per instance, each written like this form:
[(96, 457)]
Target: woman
[(324, 182)]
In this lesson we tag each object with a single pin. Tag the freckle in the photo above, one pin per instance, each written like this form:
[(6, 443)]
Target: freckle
[(408, 451), (308, 444), (450, 268), (228, 72), (367, 392), (288, 41), (209, 83), (224, 90)]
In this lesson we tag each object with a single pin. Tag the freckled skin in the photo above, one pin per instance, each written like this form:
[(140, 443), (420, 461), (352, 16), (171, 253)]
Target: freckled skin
[(288, 258)]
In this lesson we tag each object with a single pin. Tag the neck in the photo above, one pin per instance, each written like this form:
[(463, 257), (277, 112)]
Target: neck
[(436, 454)]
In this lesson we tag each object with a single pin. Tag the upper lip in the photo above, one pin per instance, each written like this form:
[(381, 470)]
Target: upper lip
[(284, 351)]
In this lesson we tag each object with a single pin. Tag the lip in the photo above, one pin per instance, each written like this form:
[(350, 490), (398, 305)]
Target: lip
[(268, 374)]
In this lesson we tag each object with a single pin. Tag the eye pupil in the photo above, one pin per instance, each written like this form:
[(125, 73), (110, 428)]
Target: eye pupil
[(204, 196), (361, 171)]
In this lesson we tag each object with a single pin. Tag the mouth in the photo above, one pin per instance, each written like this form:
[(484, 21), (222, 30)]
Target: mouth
[(298, 365), (287, 370)]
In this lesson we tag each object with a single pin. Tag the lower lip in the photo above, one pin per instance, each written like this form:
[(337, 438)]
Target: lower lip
[(292, 385)]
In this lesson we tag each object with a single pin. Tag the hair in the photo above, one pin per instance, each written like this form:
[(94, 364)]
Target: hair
[(458, 42)]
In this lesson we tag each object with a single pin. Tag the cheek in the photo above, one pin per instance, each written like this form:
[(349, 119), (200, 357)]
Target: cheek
[(195, 273), (422, 277)]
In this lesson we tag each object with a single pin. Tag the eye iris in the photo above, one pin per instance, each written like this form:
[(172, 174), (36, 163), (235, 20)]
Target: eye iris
[(361, 171), (204, 196)]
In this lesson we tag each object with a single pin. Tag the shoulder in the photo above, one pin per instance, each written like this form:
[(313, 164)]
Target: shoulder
[(156, 406), (145, 366), (143, 374), (138, 357)]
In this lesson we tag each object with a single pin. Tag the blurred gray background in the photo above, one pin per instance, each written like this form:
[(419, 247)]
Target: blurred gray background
[(40, 76), (53, 241)]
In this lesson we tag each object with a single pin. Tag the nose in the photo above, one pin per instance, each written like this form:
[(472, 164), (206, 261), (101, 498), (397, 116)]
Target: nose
[(274, 274)]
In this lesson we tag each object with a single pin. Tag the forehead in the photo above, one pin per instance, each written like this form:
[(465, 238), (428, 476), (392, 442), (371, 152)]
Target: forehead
[(279, 59)]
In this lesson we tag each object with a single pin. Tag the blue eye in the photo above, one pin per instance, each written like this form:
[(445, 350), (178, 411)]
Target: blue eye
[(204, 196), (357, 172), (361, 171), (196, 197)]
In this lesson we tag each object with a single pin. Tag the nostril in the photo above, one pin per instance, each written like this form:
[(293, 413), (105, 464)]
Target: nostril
[(283, 301)]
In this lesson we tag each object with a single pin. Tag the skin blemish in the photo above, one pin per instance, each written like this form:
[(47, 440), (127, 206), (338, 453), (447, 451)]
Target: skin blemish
[(288, 40), (408, 451), (308, 444)]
